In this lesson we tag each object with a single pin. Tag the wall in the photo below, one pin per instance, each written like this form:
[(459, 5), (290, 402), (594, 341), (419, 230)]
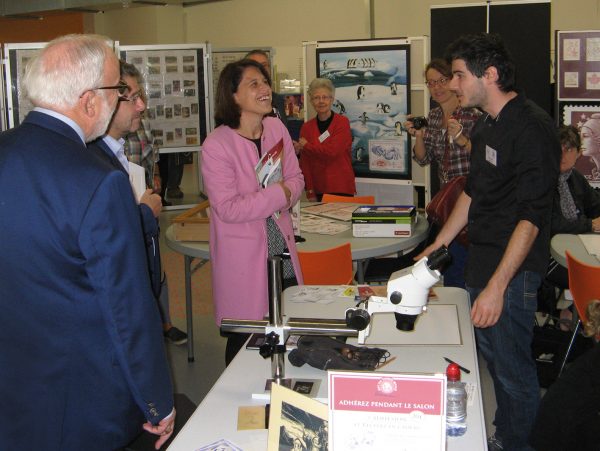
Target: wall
[(145, 25), (33, 30), (284, 24)]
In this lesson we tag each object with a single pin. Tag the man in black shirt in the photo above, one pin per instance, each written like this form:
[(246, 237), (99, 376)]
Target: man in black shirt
[(507, 203)]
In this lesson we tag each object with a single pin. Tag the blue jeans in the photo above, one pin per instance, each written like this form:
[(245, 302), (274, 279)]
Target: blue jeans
[(506, 347)]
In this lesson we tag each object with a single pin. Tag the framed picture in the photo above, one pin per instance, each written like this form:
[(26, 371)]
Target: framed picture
[(587, 120), (296, 421), (373, 92), (578, 65)]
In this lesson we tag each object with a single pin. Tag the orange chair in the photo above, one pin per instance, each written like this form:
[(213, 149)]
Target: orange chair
[(584, 284), (364, 200), (329, 267)]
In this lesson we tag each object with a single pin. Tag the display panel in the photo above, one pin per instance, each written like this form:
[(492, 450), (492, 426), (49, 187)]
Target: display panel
[(174, 81), (372, 84), (578, 65)]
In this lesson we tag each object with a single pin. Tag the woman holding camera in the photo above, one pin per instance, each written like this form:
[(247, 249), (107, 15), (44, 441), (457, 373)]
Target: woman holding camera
[(445, 137)]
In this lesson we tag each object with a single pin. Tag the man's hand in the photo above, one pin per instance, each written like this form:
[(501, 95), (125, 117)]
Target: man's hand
[(153, 201), (164, 429), (157, 183), (487, 307)]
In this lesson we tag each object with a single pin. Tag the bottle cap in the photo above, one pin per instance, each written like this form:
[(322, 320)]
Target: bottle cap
[(453, 372)]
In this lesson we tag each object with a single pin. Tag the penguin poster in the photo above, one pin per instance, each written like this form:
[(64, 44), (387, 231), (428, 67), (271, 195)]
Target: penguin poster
[(372, 89)]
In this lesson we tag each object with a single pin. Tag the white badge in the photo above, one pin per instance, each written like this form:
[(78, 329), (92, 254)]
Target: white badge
[(324, 136), (491, 155)]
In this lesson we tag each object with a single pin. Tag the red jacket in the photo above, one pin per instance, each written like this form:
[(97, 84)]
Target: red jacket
[(326, 165)]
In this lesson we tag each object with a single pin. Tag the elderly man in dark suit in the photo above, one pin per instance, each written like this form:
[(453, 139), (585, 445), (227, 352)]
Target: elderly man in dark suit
[(82, 364)]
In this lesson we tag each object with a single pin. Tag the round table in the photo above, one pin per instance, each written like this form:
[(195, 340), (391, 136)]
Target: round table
[(572, 243)]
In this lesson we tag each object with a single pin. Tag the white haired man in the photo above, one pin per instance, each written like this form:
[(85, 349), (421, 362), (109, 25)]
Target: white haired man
[(83, 364)]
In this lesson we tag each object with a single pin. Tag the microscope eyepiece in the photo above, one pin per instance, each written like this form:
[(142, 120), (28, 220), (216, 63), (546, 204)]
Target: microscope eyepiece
[(438, 258)]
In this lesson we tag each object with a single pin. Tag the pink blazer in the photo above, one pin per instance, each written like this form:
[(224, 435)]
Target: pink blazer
[(239, 209)]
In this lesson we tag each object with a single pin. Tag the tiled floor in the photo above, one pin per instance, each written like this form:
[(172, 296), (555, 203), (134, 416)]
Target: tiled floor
[(196, 378)]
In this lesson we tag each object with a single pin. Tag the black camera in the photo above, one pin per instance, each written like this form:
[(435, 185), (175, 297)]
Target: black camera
[(419, 122)]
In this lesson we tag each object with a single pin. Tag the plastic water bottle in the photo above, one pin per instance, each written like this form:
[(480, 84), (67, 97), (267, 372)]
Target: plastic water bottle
[(456, 403)]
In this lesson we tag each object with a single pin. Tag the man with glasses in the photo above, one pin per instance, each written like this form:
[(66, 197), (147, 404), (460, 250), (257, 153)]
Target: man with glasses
[(110, 148), (83, 364)]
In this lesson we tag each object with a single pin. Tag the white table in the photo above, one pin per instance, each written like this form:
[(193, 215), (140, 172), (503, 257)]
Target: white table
[(566, 242), (216, 416), (363, 249)]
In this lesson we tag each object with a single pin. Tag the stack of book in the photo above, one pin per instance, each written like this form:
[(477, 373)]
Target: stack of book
[(382, 221)]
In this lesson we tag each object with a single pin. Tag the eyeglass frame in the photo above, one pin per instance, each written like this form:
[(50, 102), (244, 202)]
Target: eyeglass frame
[(433, 83), (134, 98), (121, 86), (320, 98)]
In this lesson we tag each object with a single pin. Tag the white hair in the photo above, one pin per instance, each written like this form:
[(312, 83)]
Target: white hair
[(321, 83), (66, 68)]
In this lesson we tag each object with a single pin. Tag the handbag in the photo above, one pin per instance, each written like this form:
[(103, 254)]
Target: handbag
[(441, 206)]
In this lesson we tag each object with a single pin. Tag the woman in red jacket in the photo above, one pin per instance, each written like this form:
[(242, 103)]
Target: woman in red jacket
[(324, 146)]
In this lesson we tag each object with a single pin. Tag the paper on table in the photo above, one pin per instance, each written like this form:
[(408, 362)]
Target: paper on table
[(137, 178), (427, 328), (591, 243)]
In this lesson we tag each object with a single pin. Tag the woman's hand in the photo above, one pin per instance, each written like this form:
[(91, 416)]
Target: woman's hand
[(454, 128), (287, 192)]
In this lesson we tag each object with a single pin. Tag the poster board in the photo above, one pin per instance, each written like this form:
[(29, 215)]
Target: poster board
[(16, 58), (222, 57), (578, 65), (176, 80), (586, 118), (415, 186), (372, 81)]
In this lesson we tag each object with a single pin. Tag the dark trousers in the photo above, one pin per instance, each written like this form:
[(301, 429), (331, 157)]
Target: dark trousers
[(170, 167)]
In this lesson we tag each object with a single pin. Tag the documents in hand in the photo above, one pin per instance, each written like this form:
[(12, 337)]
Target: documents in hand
[(269, 168), (137, 178), (368, 411)]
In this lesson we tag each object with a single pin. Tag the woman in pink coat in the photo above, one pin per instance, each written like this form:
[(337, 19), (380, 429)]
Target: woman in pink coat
[(248, 222)]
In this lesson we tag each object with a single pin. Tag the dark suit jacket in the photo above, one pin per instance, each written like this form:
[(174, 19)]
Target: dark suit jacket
[(150, 226), (82, 360)]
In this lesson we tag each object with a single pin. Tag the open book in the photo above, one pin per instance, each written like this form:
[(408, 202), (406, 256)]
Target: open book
[(269, 168)]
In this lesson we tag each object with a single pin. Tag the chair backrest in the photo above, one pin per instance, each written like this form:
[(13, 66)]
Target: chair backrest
[(329, 267), (584, 284), (364, 200)]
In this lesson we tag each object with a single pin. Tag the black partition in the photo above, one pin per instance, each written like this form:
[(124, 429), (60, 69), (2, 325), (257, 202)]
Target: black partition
[(525, 29)]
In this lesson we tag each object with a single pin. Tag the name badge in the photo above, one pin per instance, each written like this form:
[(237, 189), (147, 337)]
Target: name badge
[(491, 155), (324, 136)]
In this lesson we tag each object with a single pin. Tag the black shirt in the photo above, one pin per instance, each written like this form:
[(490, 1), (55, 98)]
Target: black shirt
[(514, 170), (324, 125)]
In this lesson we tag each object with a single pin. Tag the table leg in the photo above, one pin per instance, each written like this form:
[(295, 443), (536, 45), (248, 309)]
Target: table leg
[(188, 306), (360, 271)]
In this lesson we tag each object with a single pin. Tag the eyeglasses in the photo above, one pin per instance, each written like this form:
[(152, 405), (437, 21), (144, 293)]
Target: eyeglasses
[(442, 82), (134, 98), (319, 98), (121, 88)]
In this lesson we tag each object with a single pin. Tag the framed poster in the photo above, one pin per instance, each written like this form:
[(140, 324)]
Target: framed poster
[(578, 65), (587, 120), (296, 422), (17, 55), (373, 91), (175, 83)]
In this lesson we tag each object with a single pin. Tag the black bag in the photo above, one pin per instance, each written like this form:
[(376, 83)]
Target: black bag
[(325, 353), (549, 347)]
